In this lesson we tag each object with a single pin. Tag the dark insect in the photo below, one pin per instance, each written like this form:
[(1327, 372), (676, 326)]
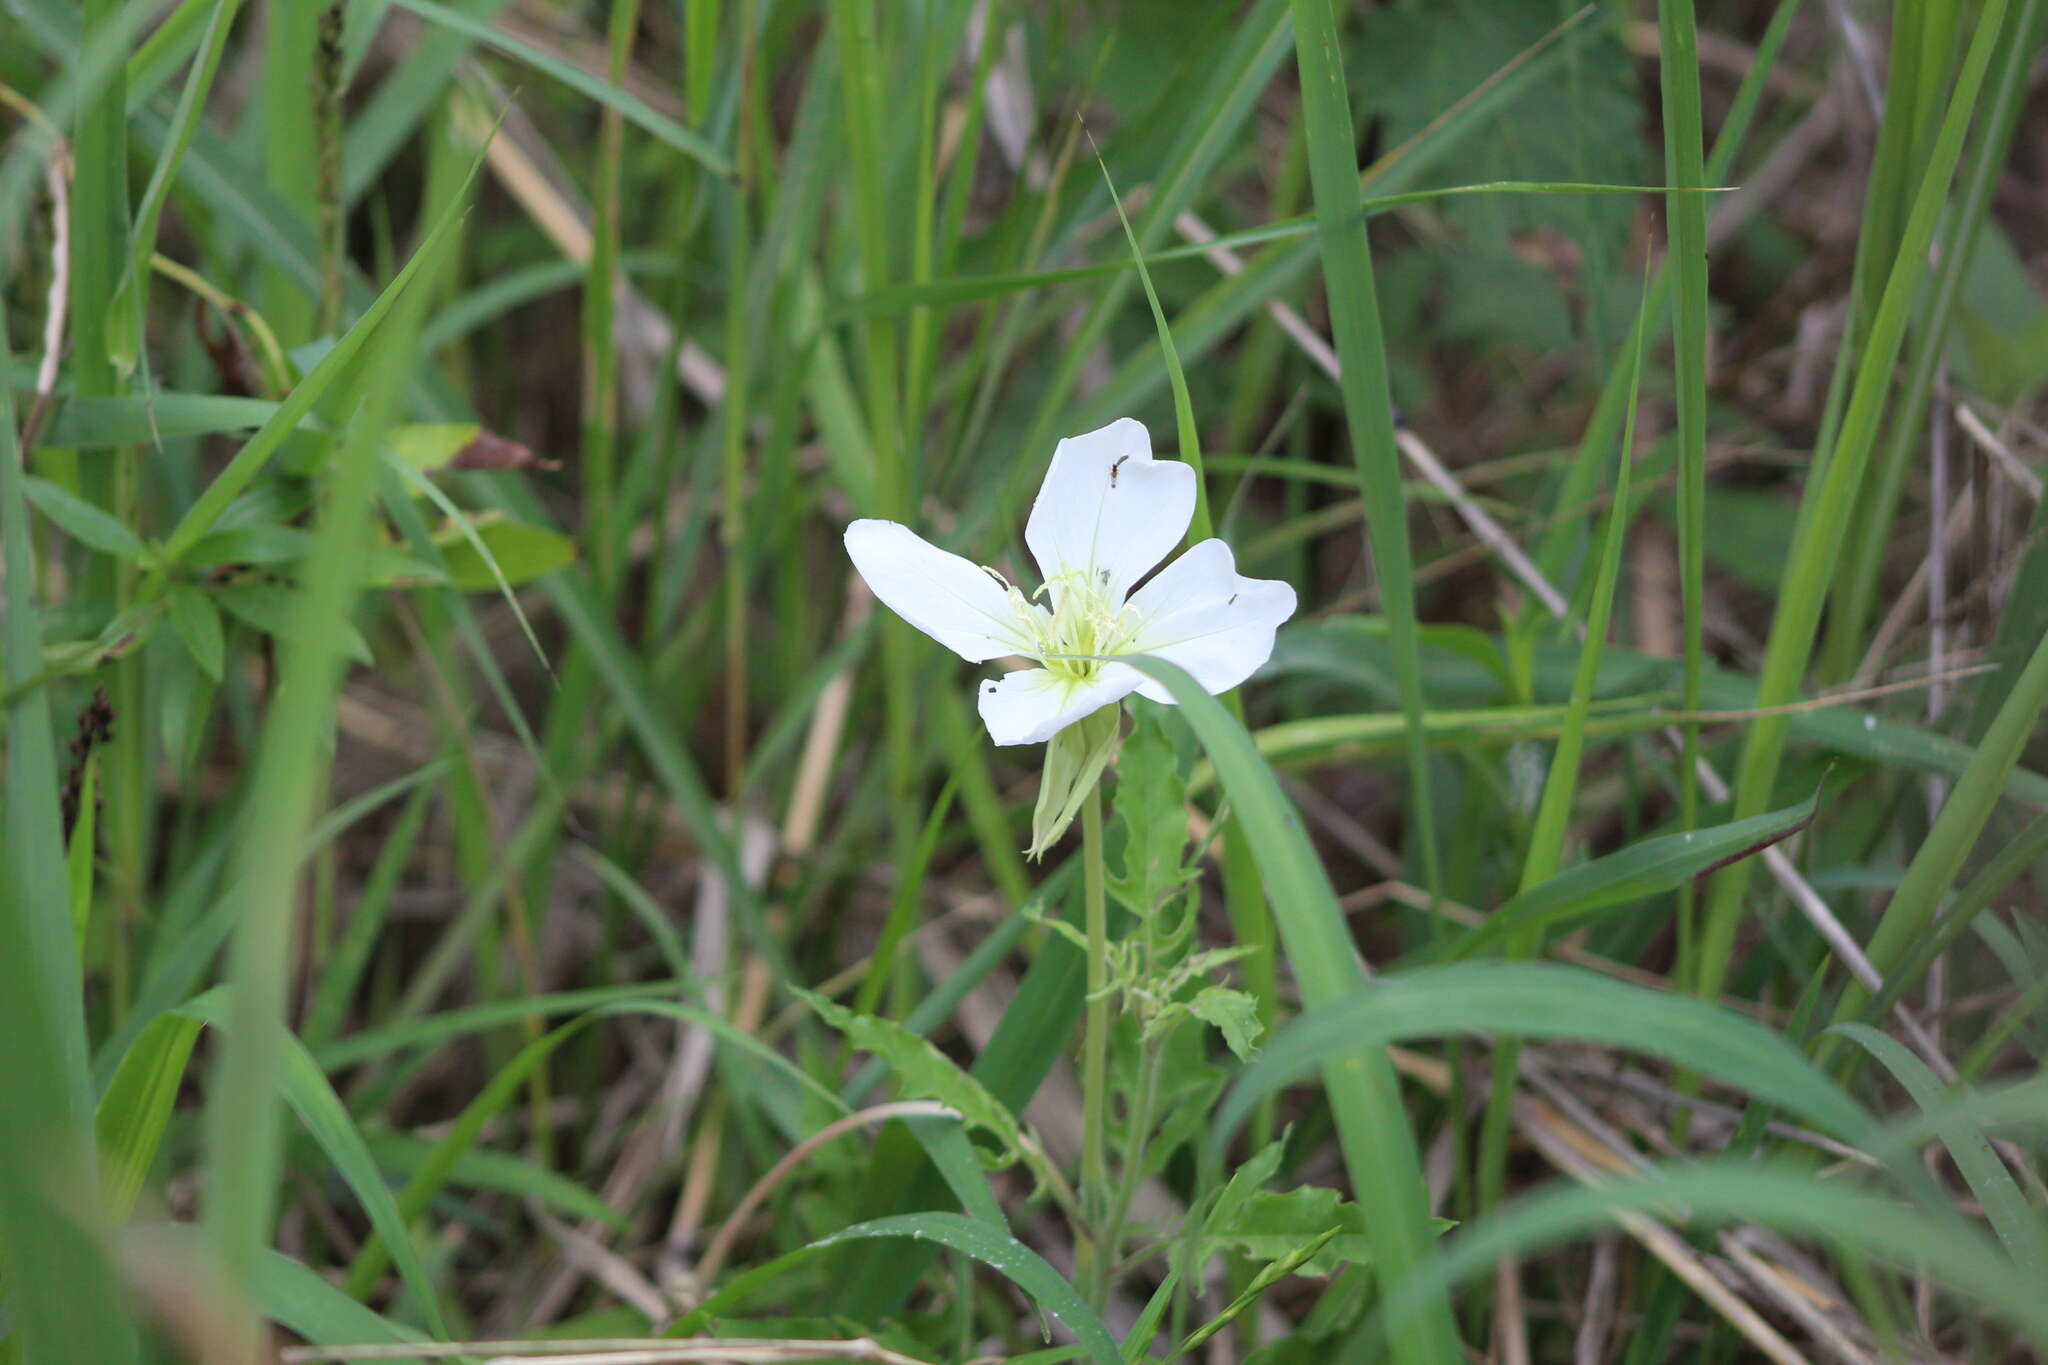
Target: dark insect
[(1115, 467), (95, 728), (1232, 602)]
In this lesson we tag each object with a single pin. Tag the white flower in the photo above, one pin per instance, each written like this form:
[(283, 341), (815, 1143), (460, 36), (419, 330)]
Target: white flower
[(1106, 515)]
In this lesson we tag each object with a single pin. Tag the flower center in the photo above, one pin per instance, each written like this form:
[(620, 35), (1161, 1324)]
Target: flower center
[(1084, 620)]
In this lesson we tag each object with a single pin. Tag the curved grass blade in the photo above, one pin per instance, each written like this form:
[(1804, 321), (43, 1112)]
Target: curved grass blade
[(980, 288), (435, 1169), (1963, 816), (1368, 413), (136, 1108), (249, 461), (402, 1154), (1544, 1000), (1740, 1190), (177, 964), (2017, 1224), (60, 1294), (328, 1121), (1649, 868), (125, 317), (106, 423), (991, 1245), (628, 106)]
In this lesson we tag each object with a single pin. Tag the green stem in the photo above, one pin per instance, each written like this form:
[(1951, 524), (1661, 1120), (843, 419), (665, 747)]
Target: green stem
[(1110, 1243), (1095, 1039)]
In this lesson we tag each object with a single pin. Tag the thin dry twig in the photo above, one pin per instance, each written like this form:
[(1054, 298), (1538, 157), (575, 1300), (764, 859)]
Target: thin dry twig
[(1907, 605), (1589, 1160), (1596, 1319), (1792, 1296), (641, 326), (57, 175), (1412, 446), (2002, 456)]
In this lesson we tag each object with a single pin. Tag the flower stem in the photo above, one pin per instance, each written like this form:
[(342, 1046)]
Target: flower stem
[(1133, 1164), (1095, 1041)]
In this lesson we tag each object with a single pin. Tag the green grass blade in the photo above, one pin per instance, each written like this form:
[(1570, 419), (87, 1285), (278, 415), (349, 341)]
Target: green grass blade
[(61, 1286), (405, 99), (991, 1245), (1826, 508), (1368, 407), (2019, 854), (978, 288), (1856, 589), (1741, 1190), (2018, 1226), (126, 319), (633, 109), (1686, 229), (303, 1086), (244, 1134), (1555, 547), (439, 1165), (341, 360), (136, 1108), (1022, 1051), (1553, 810), (1546, 1000), (342, 967), (1560, 786), (402, 1154), (1963, 816), (1646, 869), (1243, 68)]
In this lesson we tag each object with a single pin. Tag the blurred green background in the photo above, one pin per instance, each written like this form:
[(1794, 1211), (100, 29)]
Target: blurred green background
[(442, 727)]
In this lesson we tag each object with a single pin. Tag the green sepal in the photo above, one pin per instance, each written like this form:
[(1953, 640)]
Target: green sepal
[(1074, 760)]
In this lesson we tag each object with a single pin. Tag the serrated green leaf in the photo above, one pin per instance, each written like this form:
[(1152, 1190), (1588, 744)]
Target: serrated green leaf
[(1269, 1225), (1232, 1013), (1248, 1179), (924, 1072), (1150, 807)]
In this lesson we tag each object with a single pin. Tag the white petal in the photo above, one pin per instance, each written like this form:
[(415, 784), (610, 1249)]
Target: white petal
[(1202, 614), (1034, 704), (943, 595), (1108, 510)]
